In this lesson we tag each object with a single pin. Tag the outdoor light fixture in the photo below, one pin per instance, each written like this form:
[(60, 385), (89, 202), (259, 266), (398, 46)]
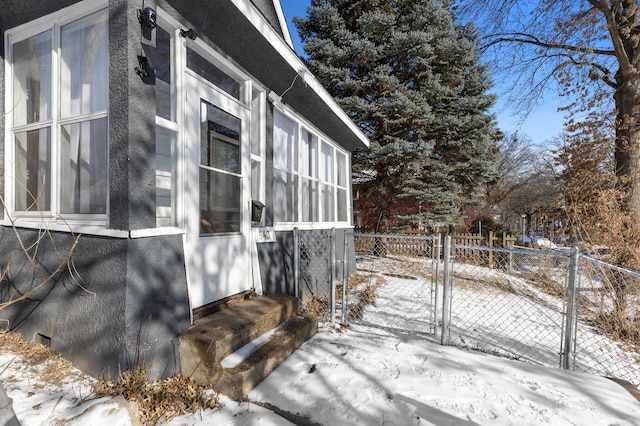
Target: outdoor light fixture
[(189, 33), (147, 17), (143, 67)]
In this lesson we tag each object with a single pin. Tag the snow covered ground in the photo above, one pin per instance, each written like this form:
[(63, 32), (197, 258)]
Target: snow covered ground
[(367, 375), (370, 377)]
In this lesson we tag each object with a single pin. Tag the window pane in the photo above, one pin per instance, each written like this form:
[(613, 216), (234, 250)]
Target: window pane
[(165, 141), (83, 167), (310, 201), (221, 146), (84, 70), (32, 79), (256, 122), (211, 73), (33, 170), (309, 166), (342, 205), (285, 149), (342, 169), (220, 195), (327, 195), (162, 65), (285, 196), (255, 180), (326, 163)]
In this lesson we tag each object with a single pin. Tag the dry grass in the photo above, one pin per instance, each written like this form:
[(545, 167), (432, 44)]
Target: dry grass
[(477, 282), (49, 368), (318, 307), (162, 399), (362, 291)]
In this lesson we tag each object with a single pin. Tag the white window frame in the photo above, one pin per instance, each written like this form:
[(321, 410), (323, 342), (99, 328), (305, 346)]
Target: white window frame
[(305, 126), (259, 113), (172, 126), (52, 22)]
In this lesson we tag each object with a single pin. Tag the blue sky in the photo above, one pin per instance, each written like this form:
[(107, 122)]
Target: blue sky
[(543, 124)]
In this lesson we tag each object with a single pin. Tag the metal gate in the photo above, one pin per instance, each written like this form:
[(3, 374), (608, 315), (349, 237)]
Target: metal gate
[(395, 286), (512, 305)]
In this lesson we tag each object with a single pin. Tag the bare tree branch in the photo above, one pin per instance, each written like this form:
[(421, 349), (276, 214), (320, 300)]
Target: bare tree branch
[(524, 38)]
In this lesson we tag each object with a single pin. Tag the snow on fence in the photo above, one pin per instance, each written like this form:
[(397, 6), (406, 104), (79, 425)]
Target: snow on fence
[(554, 308)]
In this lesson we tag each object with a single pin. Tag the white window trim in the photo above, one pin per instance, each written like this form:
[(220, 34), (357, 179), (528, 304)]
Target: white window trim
[(303, 124), (262, 136), (50, 220), (220, 61)]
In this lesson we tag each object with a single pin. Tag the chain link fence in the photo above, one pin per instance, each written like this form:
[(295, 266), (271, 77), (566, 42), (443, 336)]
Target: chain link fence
[(553, 308), (607, 338), (395, 284), (392, 284), (508, 302), (314, 265)]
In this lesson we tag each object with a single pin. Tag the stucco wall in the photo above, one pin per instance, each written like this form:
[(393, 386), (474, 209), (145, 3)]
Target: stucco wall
[(124, 307), (131, 122)]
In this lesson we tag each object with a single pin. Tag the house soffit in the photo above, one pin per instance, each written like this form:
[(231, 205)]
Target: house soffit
[(232, 26)]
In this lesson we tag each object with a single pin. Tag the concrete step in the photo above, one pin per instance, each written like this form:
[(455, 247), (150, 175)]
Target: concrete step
[(238, 381), (211, 339)]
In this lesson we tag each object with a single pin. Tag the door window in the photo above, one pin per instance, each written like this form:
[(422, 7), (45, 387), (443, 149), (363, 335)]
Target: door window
[(220, 172)]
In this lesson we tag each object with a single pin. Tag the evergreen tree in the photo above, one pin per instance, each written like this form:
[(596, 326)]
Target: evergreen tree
[(412, 80)]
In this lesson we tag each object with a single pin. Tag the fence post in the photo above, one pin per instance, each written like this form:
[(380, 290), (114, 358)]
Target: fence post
[(511, 261), (436, 258), (296, 264), (333, 275), (491, 241), (446, 296), (572, 283), (345, 263)]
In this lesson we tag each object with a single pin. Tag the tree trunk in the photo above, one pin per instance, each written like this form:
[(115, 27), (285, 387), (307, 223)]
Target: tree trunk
[(627, 152), (627, 157)]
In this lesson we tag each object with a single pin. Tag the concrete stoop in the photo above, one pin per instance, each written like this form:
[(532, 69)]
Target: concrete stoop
[(211, 339)]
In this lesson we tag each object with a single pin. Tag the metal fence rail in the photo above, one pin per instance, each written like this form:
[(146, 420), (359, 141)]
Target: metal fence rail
[(553, 308)]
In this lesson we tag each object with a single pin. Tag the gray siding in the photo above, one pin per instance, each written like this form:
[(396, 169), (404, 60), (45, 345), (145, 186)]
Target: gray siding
[(126, 306)]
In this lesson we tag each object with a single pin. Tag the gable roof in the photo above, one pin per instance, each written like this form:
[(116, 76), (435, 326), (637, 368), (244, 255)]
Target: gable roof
[(283, 23), (275, 62), (272, 11)]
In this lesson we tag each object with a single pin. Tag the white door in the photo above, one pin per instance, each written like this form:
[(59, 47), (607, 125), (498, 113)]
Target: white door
[(216, 194)]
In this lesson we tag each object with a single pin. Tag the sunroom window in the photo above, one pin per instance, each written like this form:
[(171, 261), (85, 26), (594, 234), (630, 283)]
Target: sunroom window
[(59, 118), (310, 175)]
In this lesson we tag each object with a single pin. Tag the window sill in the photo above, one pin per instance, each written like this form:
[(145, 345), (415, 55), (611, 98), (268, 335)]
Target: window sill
[(68, 227), (96, 230)]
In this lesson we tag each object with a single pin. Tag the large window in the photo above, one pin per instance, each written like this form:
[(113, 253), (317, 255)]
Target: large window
[(58, 148), (166, 125), (310, 175)]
